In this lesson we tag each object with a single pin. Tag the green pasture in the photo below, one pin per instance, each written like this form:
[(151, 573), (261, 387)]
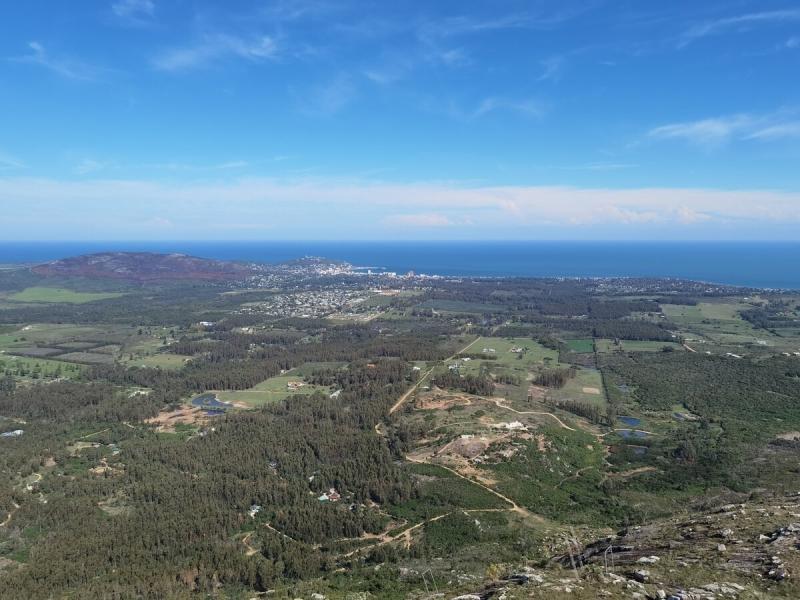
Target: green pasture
[(607, 345), (271, 390), (60, 295), (533, 356), (37, 368), (582, 387), (55, 334), (582, 346)]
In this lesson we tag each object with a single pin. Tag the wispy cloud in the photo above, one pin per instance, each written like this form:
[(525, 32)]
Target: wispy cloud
[(738, 23), (8, 162), (327, 98), (527, 108), (551, 68), (63, 66), (214, 47), (89, 165), (134, 11), (468, 25), (464, 25), (293, 10), (717, 131), (419, 220), (788, 129), (704, 132), (364, 209), (592, 166)]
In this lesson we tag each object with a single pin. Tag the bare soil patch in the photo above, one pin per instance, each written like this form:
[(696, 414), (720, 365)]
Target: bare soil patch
[(185, 414), (439, 400), (467, 447), (591, 390), (537, 392)]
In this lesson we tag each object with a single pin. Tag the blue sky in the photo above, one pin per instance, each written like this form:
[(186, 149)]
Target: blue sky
[(592, 119)]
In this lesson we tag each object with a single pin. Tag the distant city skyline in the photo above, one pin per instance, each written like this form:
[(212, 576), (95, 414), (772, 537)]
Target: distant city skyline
[(156, 120)]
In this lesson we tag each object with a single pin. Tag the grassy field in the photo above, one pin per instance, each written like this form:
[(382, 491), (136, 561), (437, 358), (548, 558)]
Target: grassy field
[(461, 307), (606, 345), (720, 324), (52, 334), (59, 295), (586, 386), (520, 364), (37, 368), (717, 311), (95, 358), (161, 361), (585, 345), (271, 390)]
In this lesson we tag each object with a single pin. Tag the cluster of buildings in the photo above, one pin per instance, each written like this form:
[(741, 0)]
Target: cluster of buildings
[(330, 496), (308, 304)]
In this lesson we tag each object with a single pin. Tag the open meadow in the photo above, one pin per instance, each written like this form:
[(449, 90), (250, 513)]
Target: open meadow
[(60, 295)]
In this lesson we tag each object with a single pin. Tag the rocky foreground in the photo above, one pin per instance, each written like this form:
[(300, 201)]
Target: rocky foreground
[(739, 551)]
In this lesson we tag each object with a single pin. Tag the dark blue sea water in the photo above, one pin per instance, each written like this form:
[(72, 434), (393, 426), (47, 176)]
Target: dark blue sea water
[(756, 264)]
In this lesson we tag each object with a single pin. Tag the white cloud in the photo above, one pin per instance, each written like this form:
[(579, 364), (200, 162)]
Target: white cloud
[(789, 129), (738, 23), (705, 132), (720, 130), (365, 209), (65, 67), (215, 47)]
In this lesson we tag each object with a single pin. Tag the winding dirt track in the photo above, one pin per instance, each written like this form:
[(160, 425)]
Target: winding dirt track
[(500, 404), (406, 534), (250, 551), (405, 396), (10, 514), (513, 506)]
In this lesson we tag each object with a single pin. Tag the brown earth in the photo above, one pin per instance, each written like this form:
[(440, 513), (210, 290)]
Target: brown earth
[(185, 414)]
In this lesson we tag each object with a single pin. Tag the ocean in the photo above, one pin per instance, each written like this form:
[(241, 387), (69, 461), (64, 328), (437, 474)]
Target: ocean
[(752, 264)]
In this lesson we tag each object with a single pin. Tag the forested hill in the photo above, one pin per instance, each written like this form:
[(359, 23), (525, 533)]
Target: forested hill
[(145, 266)]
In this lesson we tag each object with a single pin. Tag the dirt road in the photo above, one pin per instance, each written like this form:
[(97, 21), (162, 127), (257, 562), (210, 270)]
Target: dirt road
[(500, 404), (405, 396), (513, 506), (10, 514)]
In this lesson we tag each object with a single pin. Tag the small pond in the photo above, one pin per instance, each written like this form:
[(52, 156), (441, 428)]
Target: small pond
[(631, 421), (632, 433), (210, 402)]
